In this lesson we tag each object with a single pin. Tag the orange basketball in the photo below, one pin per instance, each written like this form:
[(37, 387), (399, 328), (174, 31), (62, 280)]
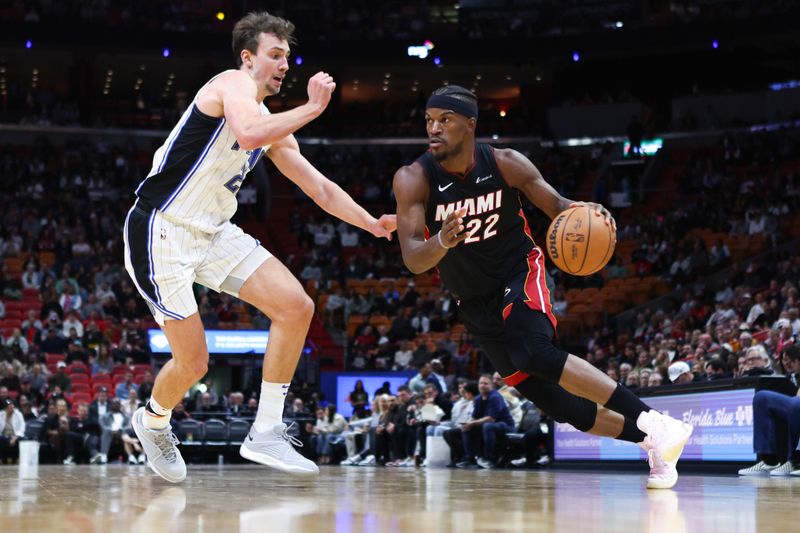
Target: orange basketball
[(579, 241)]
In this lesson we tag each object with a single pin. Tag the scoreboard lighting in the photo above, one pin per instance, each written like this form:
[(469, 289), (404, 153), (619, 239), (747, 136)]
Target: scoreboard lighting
[(421, 51), (648, 147)]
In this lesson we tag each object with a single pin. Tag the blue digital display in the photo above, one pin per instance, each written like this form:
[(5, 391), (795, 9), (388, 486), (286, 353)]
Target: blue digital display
[(219, 341)]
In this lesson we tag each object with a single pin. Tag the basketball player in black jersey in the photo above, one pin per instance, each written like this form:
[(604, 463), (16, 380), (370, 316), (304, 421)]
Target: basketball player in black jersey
[(459, 208)]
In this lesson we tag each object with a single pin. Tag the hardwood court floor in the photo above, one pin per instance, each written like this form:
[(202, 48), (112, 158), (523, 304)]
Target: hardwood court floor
[(248, 498)]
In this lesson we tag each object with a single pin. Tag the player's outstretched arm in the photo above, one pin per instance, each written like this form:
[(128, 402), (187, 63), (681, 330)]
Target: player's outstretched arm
[(234, 94), (411, 192), (325, 193), (521, 174)]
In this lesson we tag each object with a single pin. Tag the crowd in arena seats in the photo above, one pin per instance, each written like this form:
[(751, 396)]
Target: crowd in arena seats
[(73, 324)]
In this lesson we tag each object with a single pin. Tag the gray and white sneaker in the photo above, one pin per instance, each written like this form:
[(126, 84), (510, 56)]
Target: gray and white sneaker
[(784, 470), (160, 447), (759, 469), (274, 448)]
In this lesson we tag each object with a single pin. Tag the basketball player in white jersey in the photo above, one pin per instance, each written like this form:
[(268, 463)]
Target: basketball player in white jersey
[(179, 232)]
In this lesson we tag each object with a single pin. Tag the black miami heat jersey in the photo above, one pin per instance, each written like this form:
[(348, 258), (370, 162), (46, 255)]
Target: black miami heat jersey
[(499, 241)]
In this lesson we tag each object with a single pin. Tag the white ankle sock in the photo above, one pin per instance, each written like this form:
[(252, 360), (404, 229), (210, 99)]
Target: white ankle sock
[(159, 419), (270, 405)]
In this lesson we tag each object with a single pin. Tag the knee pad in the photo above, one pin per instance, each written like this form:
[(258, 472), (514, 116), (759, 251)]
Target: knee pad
[(558, 404), (529, 340)]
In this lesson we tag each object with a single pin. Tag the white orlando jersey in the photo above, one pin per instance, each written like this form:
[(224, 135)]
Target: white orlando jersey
[(198, 171)]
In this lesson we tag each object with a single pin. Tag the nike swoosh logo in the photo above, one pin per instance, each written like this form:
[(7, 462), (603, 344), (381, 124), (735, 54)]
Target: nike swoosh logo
[(490, 176), (507, 291), (250, 436), (442, 189)]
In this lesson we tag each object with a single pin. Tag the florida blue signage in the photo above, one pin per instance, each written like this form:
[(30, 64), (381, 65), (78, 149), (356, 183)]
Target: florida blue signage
[(219, 341), (722, 420)]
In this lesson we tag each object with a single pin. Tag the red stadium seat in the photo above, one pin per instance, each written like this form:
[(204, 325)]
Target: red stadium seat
[(140, 369), (53, 358), (31, 294), (79, 378), (101, 377), (97, 386), (80, 387), (81, 397), (78, 367)]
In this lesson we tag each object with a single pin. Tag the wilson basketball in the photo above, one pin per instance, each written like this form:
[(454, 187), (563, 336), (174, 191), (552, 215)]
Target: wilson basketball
[(579, 242)]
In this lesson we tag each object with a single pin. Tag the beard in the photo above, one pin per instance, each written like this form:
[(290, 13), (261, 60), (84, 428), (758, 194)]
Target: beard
[(445, 152)]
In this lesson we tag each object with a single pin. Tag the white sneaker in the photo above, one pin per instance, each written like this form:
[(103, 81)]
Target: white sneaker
[(663, 474), (522, 462), (96, 459), (142, 459), (795, 472), (69, 460), (368, 461), (351, 461), (543, 460), (758, 469), (103, 459), (783, 470), (667, 435), (160, 448), (132, 459), (485, 463), (274, 448)]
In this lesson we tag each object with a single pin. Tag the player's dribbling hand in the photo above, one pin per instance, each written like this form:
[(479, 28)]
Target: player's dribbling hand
[(320, 87), (452, 231), (600, 210), (384, 226)]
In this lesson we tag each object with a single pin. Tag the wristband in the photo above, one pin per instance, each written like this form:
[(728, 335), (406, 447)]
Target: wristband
[(441, 242)]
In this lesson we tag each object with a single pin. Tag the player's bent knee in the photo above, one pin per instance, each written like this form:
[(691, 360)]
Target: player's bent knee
[(530, 344), (297, 308)]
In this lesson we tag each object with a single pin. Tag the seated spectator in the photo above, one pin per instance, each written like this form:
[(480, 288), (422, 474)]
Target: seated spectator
[(131, 404), (72, 321), (53, 343), (17, 341), (680, 373), (359, 399), (365, 428), (236, 405), (103, 363), (9, 378), (123, 389), (27, 408), (434, 409), (327, 432), (60, 379), (511, 396), (757, 362), (403, 356), (113, 424), (37, 378), (83, 437), (100, 406), (34, 396), (133, 449), (776, 429), (208, 409), (56, 428), (146, 387), (491, 420), (12, 429), (461, 415)]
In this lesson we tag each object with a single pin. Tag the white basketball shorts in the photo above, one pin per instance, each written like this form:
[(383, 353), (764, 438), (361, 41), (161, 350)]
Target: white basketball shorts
[(165, 257)]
